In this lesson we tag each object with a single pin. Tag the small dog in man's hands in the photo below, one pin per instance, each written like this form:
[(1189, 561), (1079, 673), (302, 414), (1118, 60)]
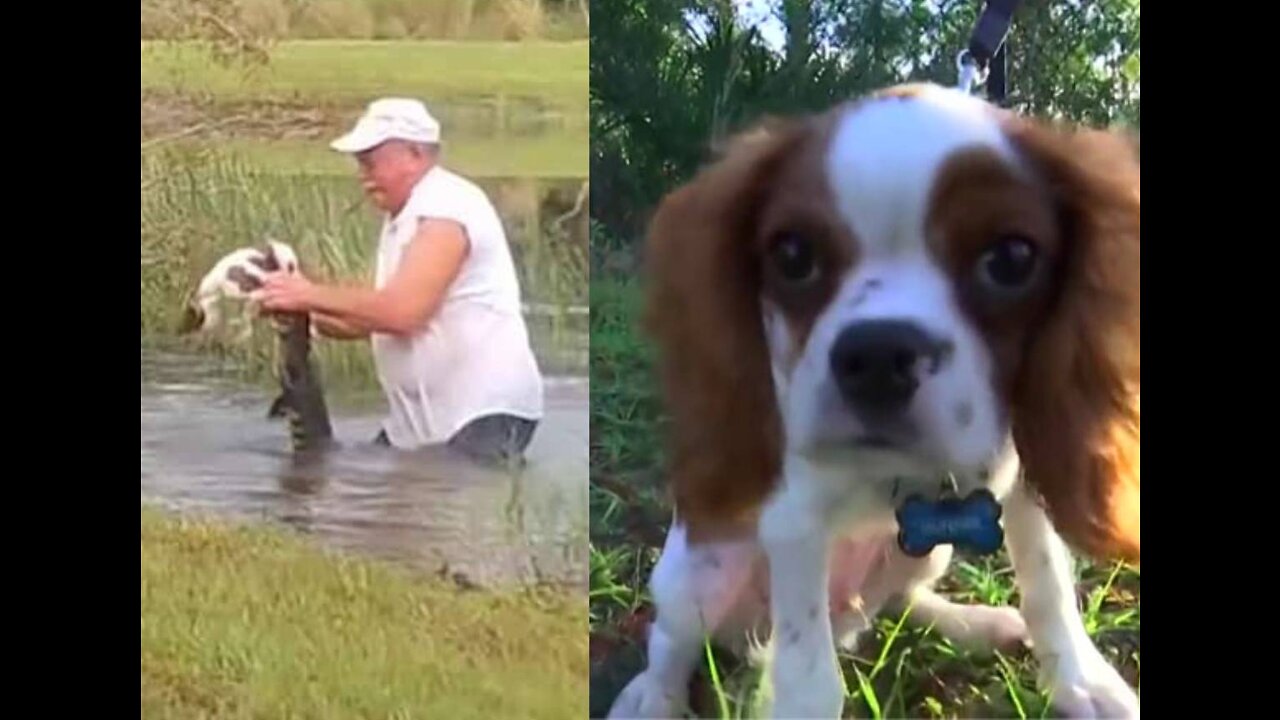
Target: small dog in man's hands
[(236, 277)]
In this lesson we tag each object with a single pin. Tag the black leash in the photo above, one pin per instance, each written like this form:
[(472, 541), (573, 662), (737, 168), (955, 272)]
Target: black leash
[(986, 51)]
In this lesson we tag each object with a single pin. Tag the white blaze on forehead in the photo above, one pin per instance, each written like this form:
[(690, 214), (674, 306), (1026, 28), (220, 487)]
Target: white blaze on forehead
[(885, 155)]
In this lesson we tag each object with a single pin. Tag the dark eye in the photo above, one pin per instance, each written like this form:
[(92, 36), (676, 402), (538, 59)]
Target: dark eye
[(793, 257), (1009, 264)]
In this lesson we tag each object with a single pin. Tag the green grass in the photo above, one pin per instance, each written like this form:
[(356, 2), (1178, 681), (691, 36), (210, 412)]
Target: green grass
[(902, 669), (346, 72), (241, 622), (543, 156), (466, 20)]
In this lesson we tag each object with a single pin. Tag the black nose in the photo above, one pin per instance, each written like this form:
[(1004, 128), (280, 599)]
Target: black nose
[(877, 363)]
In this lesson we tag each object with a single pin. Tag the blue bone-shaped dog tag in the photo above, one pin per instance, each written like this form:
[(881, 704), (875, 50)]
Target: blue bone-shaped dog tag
[(972, 523)]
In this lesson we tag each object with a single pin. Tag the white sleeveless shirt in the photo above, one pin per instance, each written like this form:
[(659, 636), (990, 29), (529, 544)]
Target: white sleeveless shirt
[(473, 356)]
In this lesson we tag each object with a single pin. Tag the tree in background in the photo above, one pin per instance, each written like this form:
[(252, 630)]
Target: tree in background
[(669, 78)]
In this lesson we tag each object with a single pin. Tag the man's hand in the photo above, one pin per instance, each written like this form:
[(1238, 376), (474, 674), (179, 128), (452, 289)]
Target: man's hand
[(285, 292)]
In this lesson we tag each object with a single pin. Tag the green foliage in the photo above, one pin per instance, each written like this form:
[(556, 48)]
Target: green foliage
[(671, 78)]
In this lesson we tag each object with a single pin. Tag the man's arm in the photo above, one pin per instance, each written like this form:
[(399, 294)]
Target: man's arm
[(431, 262), (332, 326)]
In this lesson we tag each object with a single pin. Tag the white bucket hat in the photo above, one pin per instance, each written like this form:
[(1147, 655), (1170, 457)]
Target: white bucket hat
[(387, 119)]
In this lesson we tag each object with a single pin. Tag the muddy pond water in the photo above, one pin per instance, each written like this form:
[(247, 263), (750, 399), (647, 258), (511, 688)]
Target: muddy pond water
[(208, 447)]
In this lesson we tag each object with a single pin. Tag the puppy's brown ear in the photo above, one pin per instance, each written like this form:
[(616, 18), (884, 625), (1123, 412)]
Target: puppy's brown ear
[(703, 311), (1076, 419), (267, 259)]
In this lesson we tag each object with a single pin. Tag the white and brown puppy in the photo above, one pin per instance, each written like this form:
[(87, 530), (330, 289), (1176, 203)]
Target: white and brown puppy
[(853, 305), (236, 276)]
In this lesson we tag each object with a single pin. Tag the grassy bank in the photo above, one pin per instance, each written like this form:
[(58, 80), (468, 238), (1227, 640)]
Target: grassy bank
[(507, 110), (240, 622), (545, 157), (436, 19), (350, 72), (901, 671)]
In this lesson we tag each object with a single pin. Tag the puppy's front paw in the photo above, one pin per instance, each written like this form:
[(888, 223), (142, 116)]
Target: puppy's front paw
[(1093, 688), (999, 628), (817, 696), (644, 697), (816, 706)]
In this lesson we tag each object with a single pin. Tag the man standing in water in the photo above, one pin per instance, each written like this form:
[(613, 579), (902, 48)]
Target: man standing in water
[(444, 314)]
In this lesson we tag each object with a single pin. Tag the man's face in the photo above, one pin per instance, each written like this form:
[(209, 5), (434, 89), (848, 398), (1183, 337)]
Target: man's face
[(388, 172)]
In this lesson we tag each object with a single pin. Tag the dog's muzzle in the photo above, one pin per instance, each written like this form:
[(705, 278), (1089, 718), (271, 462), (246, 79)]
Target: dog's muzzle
[(878, 366)]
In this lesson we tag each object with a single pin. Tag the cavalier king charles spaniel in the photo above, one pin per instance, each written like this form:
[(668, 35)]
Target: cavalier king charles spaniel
[(903, 326)]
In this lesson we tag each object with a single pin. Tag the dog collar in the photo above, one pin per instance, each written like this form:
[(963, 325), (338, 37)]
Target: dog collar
[(971, 523)]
